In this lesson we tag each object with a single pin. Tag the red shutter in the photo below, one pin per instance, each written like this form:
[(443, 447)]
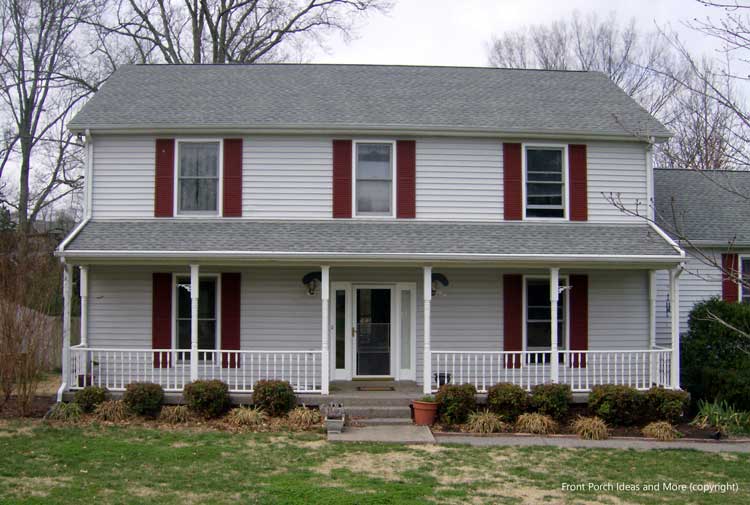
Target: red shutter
[(231, 286), (406, 183), (164, 189), (513, 318), (342, 178), (512, 182), (577, 180), (161, 318), (579, 318), (730, 290), (232, 178)]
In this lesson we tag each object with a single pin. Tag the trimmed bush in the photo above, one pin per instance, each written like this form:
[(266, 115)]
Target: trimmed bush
[(485, 422), (89, 397), (618, 405), (538, 424), (661, 430), (455, 403), (665, 404), (551, 399), (302, 418), (112, 411), (507, 400), (276, 398), (247, 417), (715, 360), (66, 412), (590, 428), (207, 398), (144, 398), (175, 414)]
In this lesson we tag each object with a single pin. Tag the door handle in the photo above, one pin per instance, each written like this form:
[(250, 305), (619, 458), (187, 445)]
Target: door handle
[(354, 332)]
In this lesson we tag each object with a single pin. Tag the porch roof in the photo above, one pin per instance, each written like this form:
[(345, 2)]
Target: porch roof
[(369, 240)]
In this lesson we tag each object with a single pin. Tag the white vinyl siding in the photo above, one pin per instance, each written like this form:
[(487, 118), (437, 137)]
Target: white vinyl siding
[(617, 168), (287, 177), (123, 177), (460, 179), (618, 310)]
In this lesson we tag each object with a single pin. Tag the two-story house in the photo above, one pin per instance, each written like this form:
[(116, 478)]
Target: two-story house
[(319, 223)]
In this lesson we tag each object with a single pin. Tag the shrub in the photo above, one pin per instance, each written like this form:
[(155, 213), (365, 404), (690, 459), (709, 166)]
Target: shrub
[(112, 411), (618, 405), (715, 360), (485, 422), (303, 418), (722, 417), (455, 403), (660, 430), (175, 414), (551, 399), (67, 412), (207, 398), (247, 417), (536, 423), (590, 428), (507, 400), (665, 404), (144, 398), (276, 398), (90, 396)]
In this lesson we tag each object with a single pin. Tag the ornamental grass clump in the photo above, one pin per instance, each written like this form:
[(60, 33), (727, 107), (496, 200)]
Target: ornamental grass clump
[(247, 417), (175, 414), (661, 430), (112, 411), (65, 412), (302, 418), (485, 422), (590, 428), (538, 424)]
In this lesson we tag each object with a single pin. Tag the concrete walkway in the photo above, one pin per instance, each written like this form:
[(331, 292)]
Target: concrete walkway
[(398, 434), (614, 443)]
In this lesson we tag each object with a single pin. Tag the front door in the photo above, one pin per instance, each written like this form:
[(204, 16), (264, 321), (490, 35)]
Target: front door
[(373, 315)]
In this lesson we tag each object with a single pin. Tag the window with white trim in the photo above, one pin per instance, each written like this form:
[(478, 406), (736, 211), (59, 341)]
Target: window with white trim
[(373, 179), (198, 177), (545, 182), (537, 315), (207, 313), (745, 279)]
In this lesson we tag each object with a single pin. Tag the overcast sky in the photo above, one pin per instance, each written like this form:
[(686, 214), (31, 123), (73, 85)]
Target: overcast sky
[(455, 32)]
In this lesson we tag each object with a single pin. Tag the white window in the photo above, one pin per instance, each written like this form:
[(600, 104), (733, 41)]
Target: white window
[(545, 174), (538, 331), (198, 176), (207, 314), (745, 279), (374, 188)]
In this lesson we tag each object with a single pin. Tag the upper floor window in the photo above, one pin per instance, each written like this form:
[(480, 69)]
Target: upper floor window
[(198, 174), (745, 279), (545, 181), (374, 187)]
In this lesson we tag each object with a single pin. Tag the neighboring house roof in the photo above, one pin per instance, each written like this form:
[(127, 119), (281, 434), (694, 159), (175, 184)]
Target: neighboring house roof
[(707, 207), (365, 97), (368, 239)]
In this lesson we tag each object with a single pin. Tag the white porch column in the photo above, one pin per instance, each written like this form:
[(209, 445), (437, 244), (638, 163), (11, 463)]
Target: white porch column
[(554, 296), (67, 299), (84, 292), (325, 290), (652, 325), (427, 354), (194, 293), (674, 309)]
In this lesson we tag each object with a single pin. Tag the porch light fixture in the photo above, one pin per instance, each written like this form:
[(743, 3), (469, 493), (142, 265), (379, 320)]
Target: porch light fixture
[(438, 279), (312, 281)]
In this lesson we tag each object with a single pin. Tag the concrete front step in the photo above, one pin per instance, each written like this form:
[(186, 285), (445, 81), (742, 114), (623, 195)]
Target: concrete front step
[(384, 421), (370, 401), (371, 412)]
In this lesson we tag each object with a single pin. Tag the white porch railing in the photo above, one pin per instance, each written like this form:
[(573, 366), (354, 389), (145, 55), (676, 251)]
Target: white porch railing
[(170, 368), (582, 370)]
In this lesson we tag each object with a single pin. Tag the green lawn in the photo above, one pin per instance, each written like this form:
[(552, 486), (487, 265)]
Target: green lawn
[(99, 465)]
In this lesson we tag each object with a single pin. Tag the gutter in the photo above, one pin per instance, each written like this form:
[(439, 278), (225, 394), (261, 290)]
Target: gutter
[(667, 238)]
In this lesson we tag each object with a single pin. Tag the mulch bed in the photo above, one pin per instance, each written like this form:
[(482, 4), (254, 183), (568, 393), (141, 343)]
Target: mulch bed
[(39, 406)]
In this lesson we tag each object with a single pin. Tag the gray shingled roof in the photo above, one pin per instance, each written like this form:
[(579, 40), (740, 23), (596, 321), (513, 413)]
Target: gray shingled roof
[(710, 206), (358, 238), (277, 96)]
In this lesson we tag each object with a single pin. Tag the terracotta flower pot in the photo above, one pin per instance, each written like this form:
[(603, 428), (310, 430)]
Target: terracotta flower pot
[(424, 412)]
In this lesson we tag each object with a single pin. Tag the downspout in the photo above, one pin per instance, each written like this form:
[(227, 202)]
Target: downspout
[(650, 214)]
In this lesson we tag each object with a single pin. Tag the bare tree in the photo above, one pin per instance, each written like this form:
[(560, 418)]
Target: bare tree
[(227, 31)]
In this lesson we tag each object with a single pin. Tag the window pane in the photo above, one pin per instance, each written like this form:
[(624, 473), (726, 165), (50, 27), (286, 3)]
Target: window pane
[(538, 317), (207, 299), (199, 159), (198, 194), (745, 279), (374, 161), (374, 196), (545, 213), (341, 329), (183, 297), (545, 161), (374, 178), (406, 329), (206, 334), (538, 335), (183, 334), (544, 183)]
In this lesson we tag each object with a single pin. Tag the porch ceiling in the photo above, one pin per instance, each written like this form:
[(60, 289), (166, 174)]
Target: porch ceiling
[(358, 240)]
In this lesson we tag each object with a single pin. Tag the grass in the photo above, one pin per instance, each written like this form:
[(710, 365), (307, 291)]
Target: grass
[(124, 465)]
